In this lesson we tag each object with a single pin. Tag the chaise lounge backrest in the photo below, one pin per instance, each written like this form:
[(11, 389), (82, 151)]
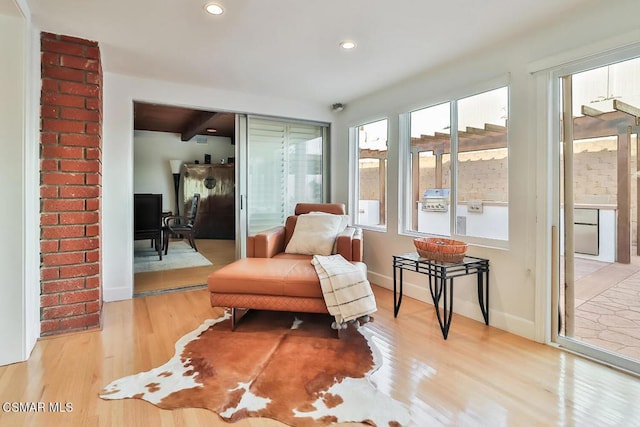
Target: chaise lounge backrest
[(272, 242)]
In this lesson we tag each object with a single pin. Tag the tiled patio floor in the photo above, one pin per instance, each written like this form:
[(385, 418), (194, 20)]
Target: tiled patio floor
[(608, 305)]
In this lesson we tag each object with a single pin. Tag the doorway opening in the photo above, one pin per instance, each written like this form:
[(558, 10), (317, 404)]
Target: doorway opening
[(178, 153)]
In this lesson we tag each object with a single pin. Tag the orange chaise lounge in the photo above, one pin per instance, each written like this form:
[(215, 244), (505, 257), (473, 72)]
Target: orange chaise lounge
[(274, 278)]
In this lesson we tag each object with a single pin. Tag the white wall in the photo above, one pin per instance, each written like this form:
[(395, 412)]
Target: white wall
[(118, 150), (513, 281), (152, 152), (12, 139)]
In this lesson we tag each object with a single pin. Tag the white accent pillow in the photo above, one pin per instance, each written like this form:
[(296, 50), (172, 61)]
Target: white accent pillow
[(314, 234), (344, 222)]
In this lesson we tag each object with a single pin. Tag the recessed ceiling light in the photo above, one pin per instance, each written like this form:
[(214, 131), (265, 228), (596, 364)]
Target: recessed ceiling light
[(212, 130), (214, 8), (347, 44)]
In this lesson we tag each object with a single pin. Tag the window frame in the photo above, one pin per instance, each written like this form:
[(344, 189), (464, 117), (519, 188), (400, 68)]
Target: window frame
[(405, 198), (354, 175)]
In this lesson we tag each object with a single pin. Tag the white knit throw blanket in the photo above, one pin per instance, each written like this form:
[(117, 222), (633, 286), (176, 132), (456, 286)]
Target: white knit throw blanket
[(346, 290)]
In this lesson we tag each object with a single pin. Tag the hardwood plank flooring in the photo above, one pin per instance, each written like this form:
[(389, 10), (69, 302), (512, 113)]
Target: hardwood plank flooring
[(219, 252), (479, 376)]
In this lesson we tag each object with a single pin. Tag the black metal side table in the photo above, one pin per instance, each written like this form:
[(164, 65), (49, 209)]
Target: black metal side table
[(441, 275)]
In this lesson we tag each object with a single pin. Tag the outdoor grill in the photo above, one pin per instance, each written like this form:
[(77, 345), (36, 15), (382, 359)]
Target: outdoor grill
[(435, 200)]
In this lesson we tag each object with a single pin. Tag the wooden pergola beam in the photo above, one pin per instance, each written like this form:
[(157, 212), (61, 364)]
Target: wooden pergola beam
[(627, 108)]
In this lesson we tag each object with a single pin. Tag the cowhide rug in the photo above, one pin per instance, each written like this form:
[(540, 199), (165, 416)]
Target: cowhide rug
[(284, 366)]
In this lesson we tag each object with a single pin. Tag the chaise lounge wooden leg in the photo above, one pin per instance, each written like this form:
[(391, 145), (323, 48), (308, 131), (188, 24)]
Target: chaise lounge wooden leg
[(236, 315)]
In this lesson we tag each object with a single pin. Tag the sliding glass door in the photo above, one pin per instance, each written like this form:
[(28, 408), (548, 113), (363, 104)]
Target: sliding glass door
[(599, 269), (283, 163)]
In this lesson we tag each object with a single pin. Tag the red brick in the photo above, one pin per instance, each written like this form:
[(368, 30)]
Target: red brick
[(48, 326), (48, 192), (81, 322), (62, 311), (79, 296), (93, 154), (92, 205), (92, 256), (61, 73), (47, 246), (92, 230), (93, 282), (79, 63), (58, 286), (48, 219), (62, 152), (93, 78), (93, 53), (79, 270), (79, 192), (63, 100), (79, 244), (81, 89), (76, 40), (48, 165), (49, 58), (79, 165), (47, 35), (49, 86), (62, 232), (49, 111), (92, 179), (67, 126), (93, 306), (79, 218), (49, 300), (80, 114), (48, 45), (62, 178), (93, 104), (48, 138), (50, 273), (56, 205), (80, 140), (93, 128), (63, 258)]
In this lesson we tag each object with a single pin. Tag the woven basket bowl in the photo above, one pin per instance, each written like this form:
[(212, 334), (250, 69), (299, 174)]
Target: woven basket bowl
[(439, 249)]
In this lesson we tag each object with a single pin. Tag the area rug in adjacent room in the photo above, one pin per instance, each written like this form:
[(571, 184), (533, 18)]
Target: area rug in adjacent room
[(180, 255), (289, 367)]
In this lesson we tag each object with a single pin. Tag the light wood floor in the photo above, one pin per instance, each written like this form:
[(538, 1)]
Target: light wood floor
[(479, 376), (219, 252)]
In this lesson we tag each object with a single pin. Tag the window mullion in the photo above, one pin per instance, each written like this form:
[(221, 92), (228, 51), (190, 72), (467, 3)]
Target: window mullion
[(453, 168)]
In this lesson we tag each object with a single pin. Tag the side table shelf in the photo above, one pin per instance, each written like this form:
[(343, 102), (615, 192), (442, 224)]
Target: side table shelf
[(440, 276)]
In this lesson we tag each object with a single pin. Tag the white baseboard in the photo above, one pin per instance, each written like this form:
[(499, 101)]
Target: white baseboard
[(498, 319), (116, 294)]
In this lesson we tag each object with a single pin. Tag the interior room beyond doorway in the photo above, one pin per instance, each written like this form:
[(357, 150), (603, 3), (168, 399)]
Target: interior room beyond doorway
[(178, 153)]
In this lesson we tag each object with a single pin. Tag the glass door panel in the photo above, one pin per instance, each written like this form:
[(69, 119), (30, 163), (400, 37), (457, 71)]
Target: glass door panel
[(599, 292)]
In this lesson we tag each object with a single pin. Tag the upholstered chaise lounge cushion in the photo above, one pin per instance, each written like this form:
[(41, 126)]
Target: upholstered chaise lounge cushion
[(267, 276), (288, 276)]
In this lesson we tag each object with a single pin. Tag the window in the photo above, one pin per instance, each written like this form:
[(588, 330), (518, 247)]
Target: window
[(286, 168), (458, 157), (371, 174)]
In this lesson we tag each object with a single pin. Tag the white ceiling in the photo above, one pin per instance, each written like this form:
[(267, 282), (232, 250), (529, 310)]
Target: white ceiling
[(289, 48)]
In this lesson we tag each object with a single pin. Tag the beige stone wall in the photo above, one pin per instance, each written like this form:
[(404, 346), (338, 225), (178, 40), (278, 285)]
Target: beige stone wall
[(369, 179)]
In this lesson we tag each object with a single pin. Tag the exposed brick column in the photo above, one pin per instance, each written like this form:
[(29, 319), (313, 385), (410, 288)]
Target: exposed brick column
[(70, 184)]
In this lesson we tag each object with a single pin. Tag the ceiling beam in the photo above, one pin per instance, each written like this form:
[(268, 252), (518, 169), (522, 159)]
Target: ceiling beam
[(197, 126)]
